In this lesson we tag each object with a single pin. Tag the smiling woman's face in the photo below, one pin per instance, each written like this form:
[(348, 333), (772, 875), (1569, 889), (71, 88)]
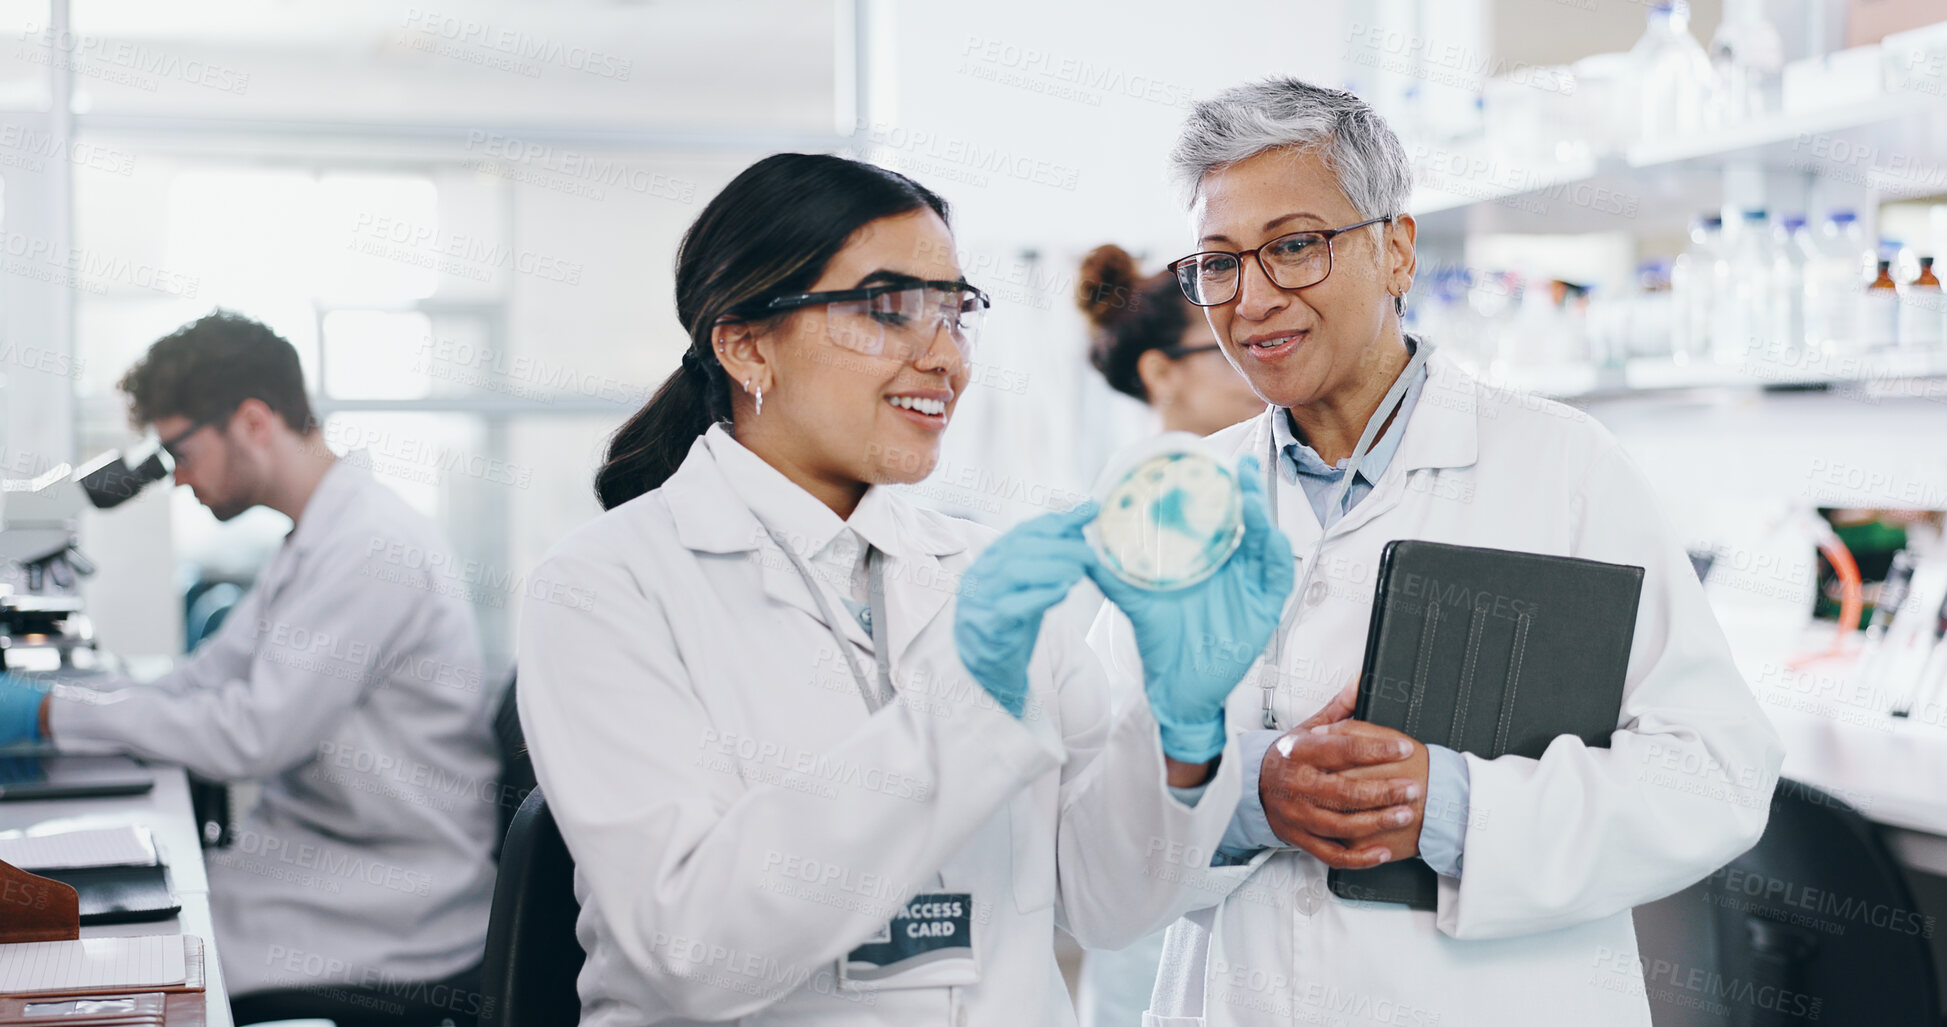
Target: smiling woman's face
[(850, 417), (1298, 346)]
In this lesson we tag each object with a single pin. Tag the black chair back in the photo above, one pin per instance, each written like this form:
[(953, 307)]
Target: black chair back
[(533, 957), (1814, 925), (516, 767), (455, 1000)]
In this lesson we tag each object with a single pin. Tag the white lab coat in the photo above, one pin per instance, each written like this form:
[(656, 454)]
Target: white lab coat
[(1537, 929), (739, 821), (348, 682)]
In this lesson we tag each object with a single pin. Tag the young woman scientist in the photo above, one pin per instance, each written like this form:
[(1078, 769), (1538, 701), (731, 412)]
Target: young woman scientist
[(809, 759)]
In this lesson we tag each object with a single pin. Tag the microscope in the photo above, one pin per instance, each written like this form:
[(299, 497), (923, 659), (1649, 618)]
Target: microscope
[(43, 627)]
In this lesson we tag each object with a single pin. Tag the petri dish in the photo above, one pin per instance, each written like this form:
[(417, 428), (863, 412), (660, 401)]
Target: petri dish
[(1171, 513)]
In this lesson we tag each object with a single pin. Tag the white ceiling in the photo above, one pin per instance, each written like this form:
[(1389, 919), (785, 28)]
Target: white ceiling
[(765, 64)]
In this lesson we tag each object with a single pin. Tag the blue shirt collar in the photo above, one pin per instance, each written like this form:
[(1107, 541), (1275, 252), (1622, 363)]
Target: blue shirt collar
[(1297, 458)]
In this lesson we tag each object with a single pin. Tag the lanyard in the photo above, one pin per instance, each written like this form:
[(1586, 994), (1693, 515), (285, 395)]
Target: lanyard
[(876, 576), (1289, 622)]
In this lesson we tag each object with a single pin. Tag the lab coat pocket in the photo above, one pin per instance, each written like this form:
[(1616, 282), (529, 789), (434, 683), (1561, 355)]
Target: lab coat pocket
[(1152, 1020), (1031, 823)]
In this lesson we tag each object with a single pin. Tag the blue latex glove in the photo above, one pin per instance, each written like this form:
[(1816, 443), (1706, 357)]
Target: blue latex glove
[(1004, 595), (1197, 642), (20, 709)]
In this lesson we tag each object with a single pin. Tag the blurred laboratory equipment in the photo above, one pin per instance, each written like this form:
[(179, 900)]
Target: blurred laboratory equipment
[(1693, 284), (1879, 305), (1747, 58), (1652, 307), (1922, 320), (1787, 302), (1672, 75), (1832, 283), (42, 624), (1873, 658), (1536, 116), (1745, 321)]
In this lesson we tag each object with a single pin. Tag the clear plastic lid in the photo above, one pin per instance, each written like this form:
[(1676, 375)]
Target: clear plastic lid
[(1171, 513)]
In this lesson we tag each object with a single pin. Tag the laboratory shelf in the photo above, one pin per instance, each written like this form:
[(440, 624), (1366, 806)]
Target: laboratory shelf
[(1894, 145), (1552, 381), (1885, 126), (1871, 367), (1474, 175), (1888, 373)]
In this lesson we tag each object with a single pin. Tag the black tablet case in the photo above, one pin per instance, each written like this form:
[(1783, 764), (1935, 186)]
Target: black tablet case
[(1491, 652), (120, 895), (40, 778)]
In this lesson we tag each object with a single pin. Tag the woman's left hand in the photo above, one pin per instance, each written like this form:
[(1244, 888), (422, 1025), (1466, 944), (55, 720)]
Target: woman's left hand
[(1198, 642)]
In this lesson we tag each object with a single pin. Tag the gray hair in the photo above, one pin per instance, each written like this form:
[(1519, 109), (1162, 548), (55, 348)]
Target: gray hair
[(1285, 113)]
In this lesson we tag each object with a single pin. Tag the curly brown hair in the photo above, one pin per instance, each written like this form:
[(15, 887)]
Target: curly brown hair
[(208, 367)]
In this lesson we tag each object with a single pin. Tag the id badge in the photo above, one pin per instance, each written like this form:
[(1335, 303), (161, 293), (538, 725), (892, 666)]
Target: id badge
[(928, 944)]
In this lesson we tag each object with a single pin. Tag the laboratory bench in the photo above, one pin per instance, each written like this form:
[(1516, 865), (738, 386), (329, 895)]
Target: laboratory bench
[(165, 811), (1841, 737)]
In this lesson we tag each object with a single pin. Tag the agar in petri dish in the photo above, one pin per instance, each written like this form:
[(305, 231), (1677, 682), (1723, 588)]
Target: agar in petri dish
[(1171, 521)]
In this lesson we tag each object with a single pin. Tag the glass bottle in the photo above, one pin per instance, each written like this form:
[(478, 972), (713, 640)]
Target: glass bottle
[(1726, 336), (1745, 318), (1921, 317), (1672, 75), (1746, 57), (1879, 307), (1692, 279), (1832, 283), (1651, 328), (1787, 303)]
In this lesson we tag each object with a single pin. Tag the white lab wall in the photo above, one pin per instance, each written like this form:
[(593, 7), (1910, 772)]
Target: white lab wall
[(479, 63), (963, 104), (1047, 127), (617, 329)]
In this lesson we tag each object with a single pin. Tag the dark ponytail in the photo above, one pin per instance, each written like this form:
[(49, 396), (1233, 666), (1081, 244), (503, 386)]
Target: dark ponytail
[(770, 231), (684, 407)]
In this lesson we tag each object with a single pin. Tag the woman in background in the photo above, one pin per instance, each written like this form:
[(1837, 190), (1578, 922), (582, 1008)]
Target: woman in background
[(1150, 344)]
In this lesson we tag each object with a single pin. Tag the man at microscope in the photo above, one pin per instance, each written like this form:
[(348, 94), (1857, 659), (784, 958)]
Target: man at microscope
[(347, 683)]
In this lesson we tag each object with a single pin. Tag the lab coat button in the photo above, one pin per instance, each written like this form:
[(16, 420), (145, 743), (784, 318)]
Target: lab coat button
[(1315, 593)]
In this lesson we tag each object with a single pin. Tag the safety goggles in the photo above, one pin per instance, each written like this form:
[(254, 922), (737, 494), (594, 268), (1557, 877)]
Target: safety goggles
[(894, 319)]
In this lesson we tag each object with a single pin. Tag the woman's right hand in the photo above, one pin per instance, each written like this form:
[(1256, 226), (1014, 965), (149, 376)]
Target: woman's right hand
[(1004, 595), (21, 700)]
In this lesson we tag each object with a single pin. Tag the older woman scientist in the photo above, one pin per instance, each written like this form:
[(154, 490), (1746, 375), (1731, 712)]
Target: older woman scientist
[(1303, 251)]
